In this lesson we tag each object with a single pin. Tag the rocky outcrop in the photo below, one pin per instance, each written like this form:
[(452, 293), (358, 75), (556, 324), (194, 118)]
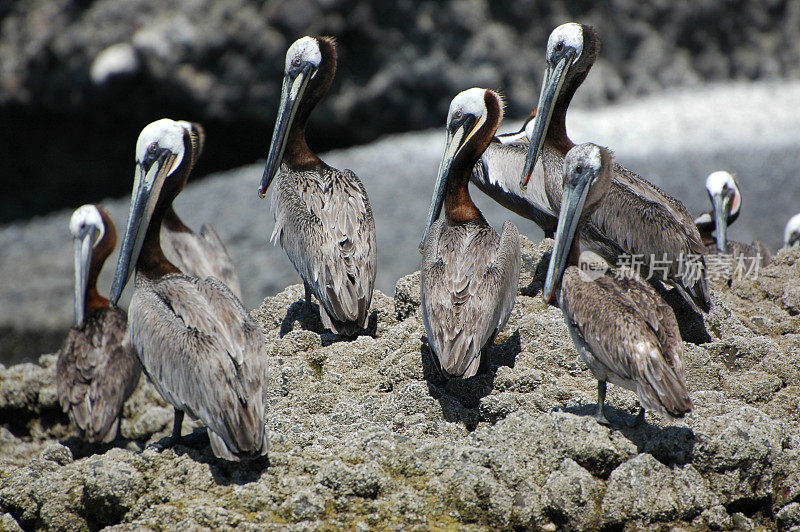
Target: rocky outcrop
[(81, 78), (365, 434)]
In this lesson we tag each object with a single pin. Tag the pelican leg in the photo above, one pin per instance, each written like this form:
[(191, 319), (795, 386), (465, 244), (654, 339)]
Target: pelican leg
[(307, 306), (635, 422), (176, 427), (601, 400)]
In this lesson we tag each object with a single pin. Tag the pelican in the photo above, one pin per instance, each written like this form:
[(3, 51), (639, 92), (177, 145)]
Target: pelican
[(791, 234), (497, 172), (726, 202), (323, 218), (97, 369), (637, 218), (469, 272), (196, 342), (621, 328), (198, 255)]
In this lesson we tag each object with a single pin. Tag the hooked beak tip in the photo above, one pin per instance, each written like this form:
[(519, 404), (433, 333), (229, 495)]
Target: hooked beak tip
[(421, 247), (523, 184), (261, 193)]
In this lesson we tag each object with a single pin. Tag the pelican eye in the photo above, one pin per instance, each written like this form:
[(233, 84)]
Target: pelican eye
[(153, 147), (579, 169), (559, 46), (296, 61), (457, 114)]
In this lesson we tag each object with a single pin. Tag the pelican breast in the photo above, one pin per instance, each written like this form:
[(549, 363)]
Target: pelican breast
[(497, 173)]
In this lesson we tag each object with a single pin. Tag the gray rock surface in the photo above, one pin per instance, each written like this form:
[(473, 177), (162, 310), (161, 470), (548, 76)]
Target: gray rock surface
[(675, 139), (365, 434)]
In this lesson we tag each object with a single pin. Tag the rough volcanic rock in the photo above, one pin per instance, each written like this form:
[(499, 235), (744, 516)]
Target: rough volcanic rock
[(364, 433)]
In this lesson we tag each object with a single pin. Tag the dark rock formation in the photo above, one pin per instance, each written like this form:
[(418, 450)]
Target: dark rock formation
[(81, 78)]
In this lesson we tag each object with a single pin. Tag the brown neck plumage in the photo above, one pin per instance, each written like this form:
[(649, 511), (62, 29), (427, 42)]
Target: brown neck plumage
[(557, 131), (100, 252), (297, 155), (152, 263), (173, 222), (458, 205)]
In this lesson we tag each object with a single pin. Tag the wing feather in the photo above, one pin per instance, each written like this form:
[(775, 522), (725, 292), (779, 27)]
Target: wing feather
[(324, 221), (204, 354), (469, 286), (96, 372), (200, 255), (632, 337)]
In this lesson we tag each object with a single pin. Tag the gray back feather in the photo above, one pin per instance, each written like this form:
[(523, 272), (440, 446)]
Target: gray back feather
[(96, 372), (641, 220), (200, 255), (324, 222), (468, 288), (205, 355), (632, 336)]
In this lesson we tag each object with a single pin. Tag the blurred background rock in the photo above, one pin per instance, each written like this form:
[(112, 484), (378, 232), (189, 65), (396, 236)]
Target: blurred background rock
[(80, 78)]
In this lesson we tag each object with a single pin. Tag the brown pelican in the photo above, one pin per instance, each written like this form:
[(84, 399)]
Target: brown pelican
[(497, 172), (198, 255), (196, 342), (791, 234), (637, 218), (726, 202), (96, 369), (469, 272), (622, 329), (323, 218)]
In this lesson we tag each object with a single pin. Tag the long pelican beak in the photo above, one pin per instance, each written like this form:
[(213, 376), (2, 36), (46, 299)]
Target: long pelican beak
[(554, 77), (721, 203), (84, 243), (294, 86), (147, 186), (572, 202), (452, 144)]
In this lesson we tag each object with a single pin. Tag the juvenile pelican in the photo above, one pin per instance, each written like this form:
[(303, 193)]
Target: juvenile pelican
[(322, 215), (196, 342), (469, 272), (622, 329), (791, 234), (198, 255), (497, 173), (726, 202), (637, 218), (96, 369)]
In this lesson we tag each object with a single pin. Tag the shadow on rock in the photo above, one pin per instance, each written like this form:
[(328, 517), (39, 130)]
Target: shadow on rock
[(81, 448), (460, 399), (539, 277), (671, 445), (197, 447), (690, 322), (310, 321)]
